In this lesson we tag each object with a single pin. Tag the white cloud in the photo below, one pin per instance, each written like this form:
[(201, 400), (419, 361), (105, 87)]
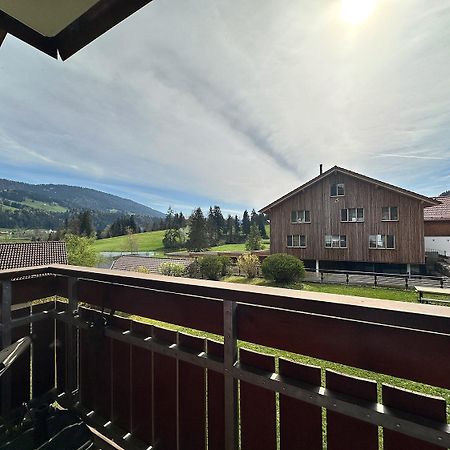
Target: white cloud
[(239, 102)]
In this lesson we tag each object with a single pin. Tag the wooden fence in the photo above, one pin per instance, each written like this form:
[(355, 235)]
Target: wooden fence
[(149, 387)]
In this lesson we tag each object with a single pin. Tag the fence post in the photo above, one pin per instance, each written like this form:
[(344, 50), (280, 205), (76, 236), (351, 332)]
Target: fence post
[(346, 278), (6, 340), (442, 282), (321, 277), (230, 357), (375, 283), (406, 282), (72, 335)]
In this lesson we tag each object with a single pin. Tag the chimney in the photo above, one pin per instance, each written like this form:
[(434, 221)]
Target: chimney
[(320, 169)]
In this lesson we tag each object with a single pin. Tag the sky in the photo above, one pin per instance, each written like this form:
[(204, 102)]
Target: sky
[(200, 102)]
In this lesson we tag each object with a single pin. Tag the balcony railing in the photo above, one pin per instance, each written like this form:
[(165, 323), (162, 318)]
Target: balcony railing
[(148, 387)]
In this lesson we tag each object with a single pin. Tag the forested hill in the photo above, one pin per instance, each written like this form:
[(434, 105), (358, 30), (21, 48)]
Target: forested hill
[(60, 198)]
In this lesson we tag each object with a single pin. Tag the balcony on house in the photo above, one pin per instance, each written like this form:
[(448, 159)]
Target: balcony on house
[(99, 346)]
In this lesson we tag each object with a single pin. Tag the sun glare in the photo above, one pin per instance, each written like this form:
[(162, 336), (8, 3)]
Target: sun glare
[(356, 11)]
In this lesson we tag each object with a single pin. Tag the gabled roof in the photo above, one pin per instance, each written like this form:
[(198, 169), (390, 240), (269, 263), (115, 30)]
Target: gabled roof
[(62, 26), (29, 254), (427, 200), (438, 212)]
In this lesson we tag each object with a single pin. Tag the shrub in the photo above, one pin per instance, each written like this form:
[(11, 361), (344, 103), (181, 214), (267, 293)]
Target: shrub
[(213, 267), (249, 265), (283, 268), (254, 239), (193, 269), (172, 269), (226, 264), (142, 269)]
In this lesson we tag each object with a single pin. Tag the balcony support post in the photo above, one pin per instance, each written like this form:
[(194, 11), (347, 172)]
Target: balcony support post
[(72, 335), (6, 340), (230, 358)]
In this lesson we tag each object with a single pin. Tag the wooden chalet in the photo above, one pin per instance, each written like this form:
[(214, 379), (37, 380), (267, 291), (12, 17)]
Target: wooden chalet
[(344, 220), (437, 227)]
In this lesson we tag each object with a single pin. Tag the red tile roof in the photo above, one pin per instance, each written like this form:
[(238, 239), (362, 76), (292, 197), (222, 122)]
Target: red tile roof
[(438, 212), (28, 254)]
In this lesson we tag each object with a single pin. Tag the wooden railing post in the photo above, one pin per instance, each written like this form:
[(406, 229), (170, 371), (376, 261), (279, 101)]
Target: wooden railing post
[(6, 340), (72, 335), (230, 357)]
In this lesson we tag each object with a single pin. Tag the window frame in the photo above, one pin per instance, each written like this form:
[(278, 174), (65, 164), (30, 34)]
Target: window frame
[(347, 215), (381, 241), (299, 241), (336, 187), (389, 209), (301, 218), (335, 238)]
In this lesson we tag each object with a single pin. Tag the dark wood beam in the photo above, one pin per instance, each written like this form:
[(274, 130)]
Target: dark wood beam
[(2, 36)]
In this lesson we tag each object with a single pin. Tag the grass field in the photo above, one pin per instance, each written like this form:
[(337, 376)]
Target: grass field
[(43, 206), (151, 241), (147, 242)]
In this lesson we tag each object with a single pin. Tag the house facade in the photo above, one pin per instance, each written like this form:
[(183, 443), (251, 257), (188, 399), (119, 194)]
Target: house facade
[(345, 220), (437, 227)]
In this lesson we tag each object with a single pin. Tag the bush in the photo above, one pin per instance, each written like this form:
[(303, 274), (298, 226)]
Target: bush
[(193, 269), (249, 265), (172, 269), (214, 267), (283, 268)]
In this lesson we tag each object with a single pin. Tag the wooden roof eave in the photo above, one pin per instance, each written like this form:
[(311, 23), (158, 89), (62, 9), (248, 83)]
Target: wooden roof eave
[(426, 200), (100, 18)]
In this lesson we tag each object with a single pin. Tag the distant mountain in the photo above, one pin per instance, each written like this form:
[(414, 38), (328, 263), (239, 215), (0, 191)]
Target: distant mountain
[(54, 198), (445, 194)]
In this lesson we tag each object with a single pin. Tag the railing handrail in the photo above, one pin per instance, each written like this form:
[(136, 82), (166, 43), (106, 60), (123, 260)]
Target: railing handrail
[(378, 274)]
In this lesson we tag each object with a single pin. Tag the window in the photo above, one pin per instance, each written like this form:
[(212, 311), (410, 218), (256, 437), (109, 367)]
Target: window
[(296, 240), (352, 215), (389, 213), (383, 241), (337, 190), (303, 216), (335, 241)]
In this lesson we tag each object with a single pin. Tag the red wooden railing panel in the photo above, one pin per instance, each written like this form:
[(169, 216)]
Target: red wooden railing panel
[(121, 377), (216, 402), (95, 370), (300, 422), (258, 407), (141, 387), (31, 289), (396, 351), (344, 431), (165, 393), (422, 405), (43, 351), (192, 398)]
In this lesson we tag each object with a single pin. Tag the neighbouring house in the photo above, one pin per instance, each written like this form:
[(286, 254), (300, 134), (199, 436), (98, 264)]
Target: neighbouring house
[(27, 254), (437, 227), (134, 263), (344, 220)]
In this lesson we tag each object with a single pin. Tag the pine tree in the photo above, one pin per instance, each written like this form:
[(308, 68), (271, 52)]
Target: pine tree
[(198, 238), (254, 238), (230, 234), (245, 223), (237, 227), (262, 225)]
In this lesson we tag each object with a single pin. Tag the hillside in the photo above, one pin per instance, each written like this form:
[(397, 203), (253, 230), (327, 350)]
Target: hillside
[(55, 198)]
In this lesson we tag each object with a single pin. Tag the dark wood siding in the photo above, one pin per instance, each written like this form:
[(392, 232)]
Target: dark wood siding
[(326, 219), (437, 228)]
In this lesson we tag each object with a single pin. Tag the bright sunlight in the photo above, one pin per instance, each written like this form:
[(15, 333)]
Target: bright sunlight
[(356, 11)]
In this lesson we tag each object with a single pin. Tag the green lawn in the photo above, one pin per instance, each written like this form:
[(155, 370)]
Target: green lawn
[(147, 242), (359, 291)]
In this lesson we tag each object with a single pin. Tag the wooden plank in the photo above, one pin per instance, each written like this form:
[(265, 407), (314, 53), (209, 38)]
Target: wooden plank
[(165, 393), (433, 408), (257, 406), (121, 377), (95, 369), (60, 347), (415, 355), (20, 370), (216, 401), (300, 422), (142, 387), (33, 289), (192, 397), (344, 431), (43, 351)]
